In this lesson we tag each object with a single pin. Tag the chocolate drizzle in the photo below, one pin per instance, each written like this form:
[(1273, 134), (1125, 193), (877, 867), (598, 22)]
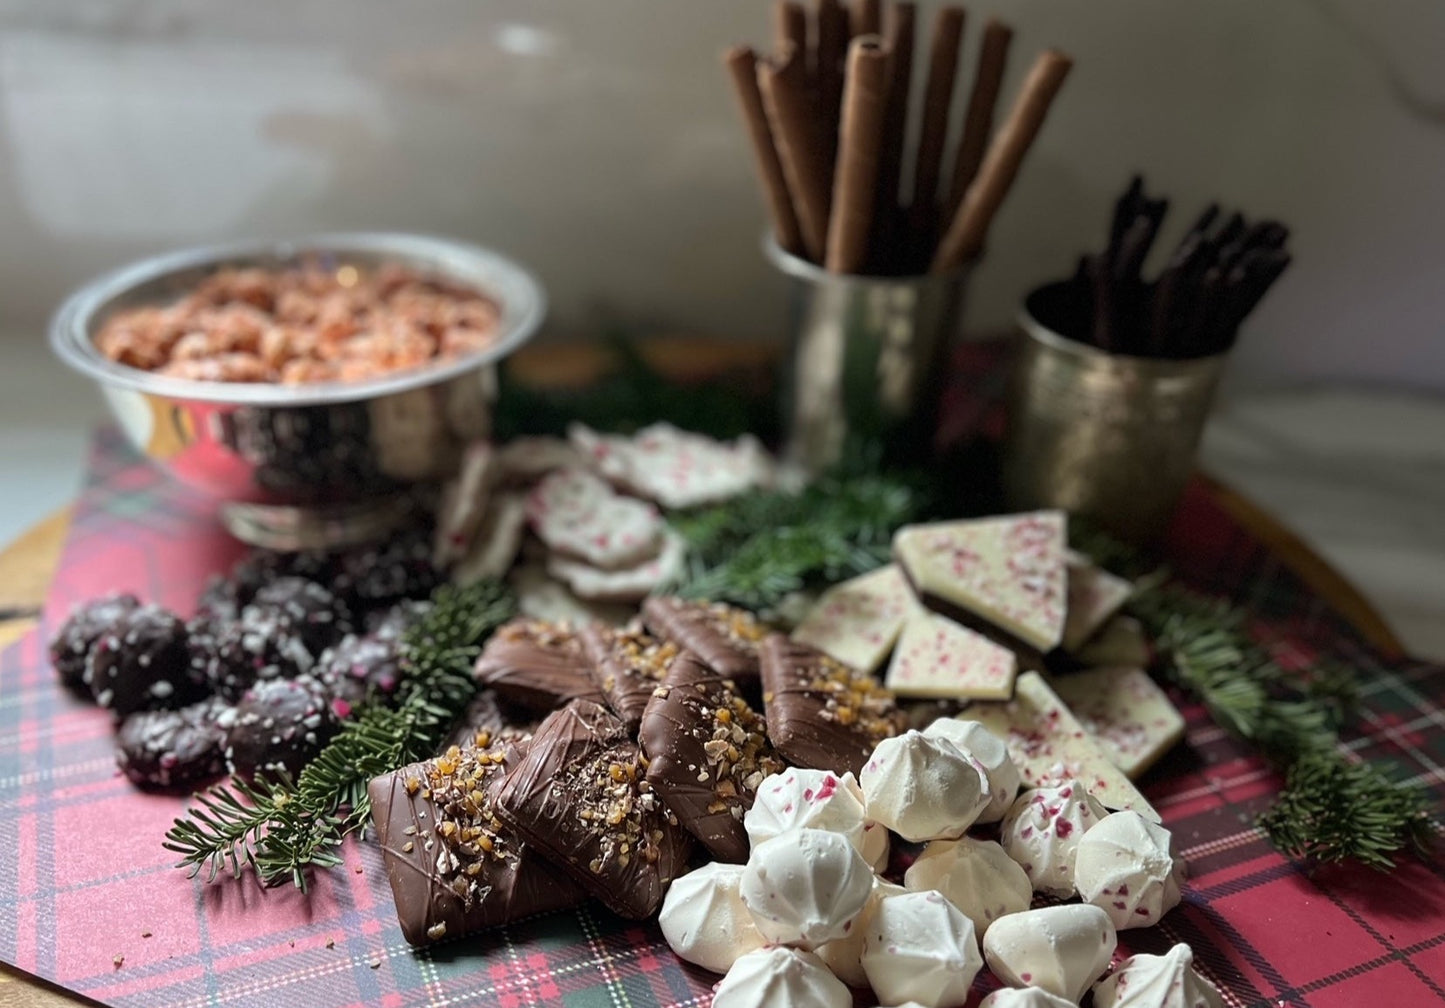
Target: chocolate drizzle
[(627, 665), (536, 664), (724, 636)]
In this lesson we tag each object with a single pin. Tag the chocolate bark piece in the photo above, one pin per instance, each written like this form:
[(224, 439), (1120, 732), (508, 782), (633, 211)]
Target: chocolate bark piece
[(358, 668), (536, 664), (454, 867), (707, 752), (724, 636), (87, 623), (487, 721), (307, 609), (627, 665), (822, 714), (143, 662), (279, 724), (173, 750), (580, 797)]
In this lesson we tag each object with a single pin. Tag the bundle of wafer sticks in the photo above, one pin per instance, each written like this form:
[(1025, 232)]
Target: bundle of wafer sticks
[(1213, 279), (828, 112)]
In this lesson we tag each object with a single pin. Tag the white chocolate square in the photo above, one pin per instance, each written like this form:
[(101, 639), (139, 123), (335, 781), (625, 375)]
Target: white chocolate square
[(937, 657), (1094, 595), (857, 621), (1126, 712)]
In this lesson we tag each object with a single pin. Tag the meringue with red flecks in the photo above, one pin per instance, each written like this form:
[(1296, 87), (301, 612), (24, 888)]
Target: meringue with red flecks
[(1150, 981), (1124, 867), (990, 752), (704, 920), (780, 976), (1062, 949), (816, 799), (1042, 832), (920, 947), (923, 788), (805, 886)]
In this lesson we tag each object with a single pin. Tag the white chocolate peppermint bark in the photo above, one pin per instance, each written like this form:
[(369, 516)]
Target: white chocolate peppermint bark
[(495, 545), (674, 467), (1126, 712), (626, 585), (937, 657), (1008, 571), (579, 514), (858, 621), (526, 459), (464, 504), (1094, 595), (1049, 745)]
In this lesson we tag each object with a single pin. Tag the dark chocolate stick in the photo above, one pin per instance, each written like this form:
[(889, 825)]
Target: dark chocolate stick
[(978, 124), (933, 127), (829, 51), (723, 636), (535, 664), (742, 68), (865, 97), (898, 31), (865, 17), (792, 117)]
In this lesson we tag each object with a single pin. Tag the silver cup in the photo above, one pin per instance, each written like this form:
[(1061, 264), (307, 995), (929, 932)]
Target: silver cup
[(868, 359), (1106, 436)]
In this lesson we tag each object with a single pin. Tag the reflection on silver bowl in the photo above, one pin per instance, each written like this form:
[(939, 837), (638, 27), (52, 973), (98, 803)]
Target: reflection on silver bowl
[(304, 466)]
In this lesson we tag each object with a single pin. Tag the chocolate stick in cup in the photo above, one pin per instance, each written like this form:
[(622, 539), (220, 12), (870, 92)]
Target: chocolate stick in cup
[(865, 98), (830, 49), (978, 122), (933, 127), (865, 17), (969, 228), (792, 118), (742, 67), (898, 31), (790, 24)]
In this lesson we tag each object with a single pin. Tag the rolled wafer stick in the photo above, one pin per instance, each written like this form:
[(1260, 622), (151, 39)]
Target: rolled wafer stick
[(865, 17), (865, 97), (830, 48), (898, 31), (793, 121), (933, 127), (978, 123), (969, 228), (742, 67), (790, 24)]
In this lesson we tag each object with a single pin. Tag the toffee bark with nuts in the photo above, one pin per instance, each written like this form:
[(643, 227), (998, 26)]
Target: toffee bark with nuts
[(536, 664), (627, 665), (724, 636)]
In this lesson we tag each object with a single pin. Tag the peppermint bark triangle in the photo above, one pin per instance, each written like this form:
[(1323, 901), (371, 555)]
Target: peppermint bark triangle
[(939, 658), (1007, 571)]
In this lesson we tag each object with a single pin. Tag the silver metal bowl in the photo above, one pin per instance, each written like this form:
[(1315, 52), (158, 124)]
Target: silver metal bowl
[(304, 466)]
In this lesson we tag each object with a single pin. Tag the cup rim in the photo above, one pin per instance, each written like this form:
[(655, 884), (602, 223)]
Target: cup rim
[(802, 269), (1041, 332)]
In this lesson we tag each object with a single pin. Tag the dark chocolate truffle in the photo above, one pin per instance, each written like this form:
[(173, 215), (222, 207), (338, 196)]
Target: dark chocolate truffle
[(261, 645), (707, 753), (173, 750), (143, 662), (357, 668), (70, 649), (381, 575), (579, 797), (307, 609), (454, 867), (279, 724)]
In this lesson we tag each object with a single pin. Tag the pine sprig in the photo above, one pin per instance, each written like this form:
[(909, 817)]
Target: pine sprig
[(280, 828)]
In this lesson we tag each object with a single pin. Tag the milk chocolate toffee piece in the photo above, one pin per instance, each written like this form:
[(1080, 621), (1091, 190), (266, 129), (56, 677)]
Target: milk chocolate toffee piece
[(723, 636), (820, 713), (579, 796), (536, 664), (488, 721), (453, 866), (707, 752), (627, 665)]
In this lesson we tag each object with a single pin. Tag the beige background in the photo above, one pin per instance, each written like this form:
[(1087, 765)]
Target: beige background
[(597, 142)]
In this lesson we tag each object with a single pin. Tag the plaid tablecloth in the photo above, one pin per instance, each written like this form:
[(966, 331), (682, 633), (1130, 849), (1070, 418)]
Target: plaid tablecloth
[(89, 900)]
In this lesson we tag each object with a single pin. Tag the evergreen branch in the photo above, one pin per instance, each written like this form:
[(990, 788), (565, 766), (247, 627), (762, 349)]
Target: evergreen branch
[(281, 828)]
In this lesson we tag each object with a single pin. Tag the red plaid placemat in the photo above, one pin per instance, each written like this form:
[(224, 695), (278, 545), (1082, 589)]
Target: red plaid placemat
[(84, 880)]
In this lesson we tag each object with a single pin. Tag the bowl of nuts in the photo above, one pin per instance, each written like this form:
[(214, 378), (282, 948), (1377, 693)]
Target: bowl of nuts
[(311, 385)]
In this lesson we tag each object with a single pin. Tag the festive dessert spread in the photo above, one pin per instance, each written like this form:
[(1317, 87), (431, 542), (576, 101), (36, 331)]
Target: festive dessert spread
[(302, 325)]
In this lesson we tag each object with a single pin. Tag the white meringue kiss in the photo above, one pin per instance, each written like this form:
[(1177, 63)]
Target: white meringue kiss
[(1042, 832), (815, 799), (1150, 981), (974, 875), (804, 886), (976, 741), (1062, 949), (1024, 997), (920, 947), (780, 976), (1123, 866), (923, 788), (844, 956), (704, 920)]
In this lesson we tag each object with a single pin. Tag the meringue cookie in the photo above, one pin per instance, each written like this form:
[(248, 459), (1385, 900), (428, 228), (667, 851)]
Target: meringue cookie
[(974, 875), (815, 799), (780, 976), (923, 787), (803, 887), (1042, 832), (1062, 949), (977, 742), (844, 956), (1123, 866), (920, 947), (1150, 981), (1024, 997), (704, 920)]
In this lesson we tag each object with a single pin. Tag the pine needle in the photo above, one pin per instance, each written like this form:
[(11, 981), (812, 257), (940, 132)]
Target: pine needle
[(282, 828)]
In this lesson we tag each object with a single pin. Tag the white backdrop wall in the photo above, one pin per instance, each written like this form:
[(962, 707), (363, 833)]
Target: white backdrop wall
[(597, 142)]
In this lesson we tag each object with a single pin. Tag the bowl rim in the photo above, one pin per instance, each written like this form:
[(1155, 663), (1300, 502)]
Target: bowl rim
[(522, 309)]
